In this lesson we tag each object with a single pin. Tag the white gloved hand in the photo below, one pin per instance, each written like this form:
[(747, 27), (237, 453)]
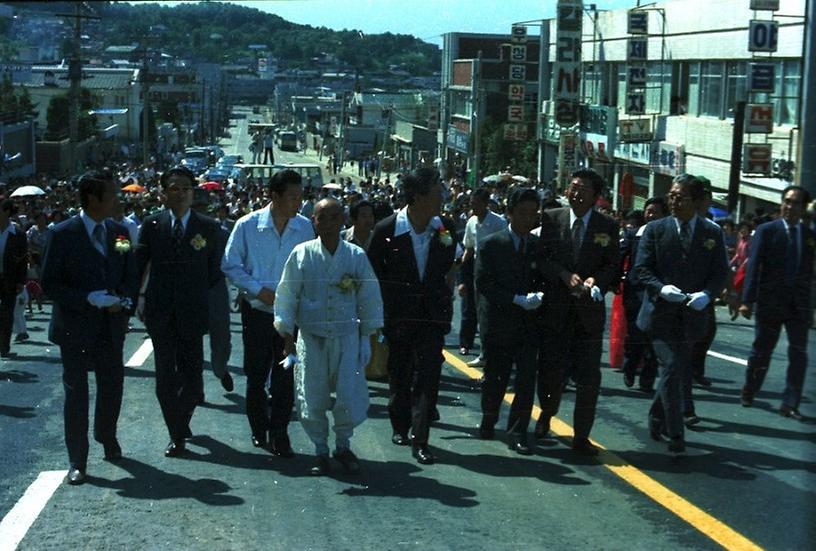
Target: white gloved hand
[(534, 300), (672, 294), (289, 361), (101, 299), (698, 301), (365, 351), (524, 302), (596, 294)]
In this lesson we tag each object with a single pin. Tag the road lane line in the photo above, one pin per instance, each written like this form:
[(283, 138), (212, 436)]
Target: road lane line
[(684, 509), (727, 358), (138, 359), (16, 523)]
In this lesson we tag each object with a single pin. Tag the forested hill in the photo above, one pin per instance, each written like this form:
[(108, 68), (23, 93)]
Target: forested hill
[(192, 26)]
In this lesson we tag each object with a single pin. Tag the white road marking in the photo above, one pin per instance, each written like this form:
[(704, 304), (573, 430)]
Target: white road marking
[(138, 359), (16, 523), (727, 358)]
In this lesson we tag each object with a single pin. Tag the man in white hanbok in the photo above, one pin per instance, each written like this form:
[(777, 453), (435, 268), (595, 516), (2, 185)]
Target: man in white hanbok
[(330, 292)]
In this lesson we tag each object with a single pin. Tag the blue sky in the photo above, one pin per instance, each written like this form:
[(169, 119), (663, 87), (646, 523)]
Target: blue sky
[(425, 19)]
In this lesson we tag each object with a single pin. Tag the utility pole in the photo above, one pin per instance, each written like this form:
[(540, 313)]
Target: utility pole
[(736, 156), (145, 109), (386, 132), (75, 78), (201, 122), (477, 119), (342, 138), (806, 174), (543, 90)]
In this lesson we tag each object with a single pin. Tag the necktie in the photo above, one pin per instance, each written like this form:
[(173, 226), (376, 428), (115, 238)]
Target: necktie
[(99, 239), (792, 255), (522, 246), (178, 234), (577, 237), (685, 236)]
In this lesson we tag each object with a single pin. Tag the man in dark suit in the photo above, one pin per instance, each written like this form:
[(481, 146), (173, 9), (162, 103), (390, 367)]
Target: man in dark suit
[(180, 247), (412, 252), (90, 273), (778, 285), (13, 266), (682, 264), (506, 270), (580, 250), (637, 346)]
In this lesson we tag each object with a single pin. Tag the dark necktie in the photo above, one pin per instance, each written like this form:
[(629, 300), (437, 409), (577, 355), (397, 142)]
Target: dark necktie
[(577, 237), (99, 239), (792, 255), (685, 236), (178, 234)]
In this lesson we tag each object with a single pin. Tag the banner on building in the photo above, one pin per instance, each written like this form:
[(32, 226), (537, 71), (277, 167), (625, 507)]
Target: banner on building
[(766, 5), (433, 116), (635, 130), (759, 118), (757, 158), (761, 77), (637, 22), (567, 67), (763, 36), (668, 158), (515, 132), (567, 156), (518, 34)]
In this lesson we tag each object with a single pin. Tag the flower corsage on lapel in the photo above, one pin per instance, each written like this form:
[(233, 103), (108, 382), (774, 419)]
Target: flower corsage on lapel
[(198, 242), (709, 244), (122, 244), (443, 234), (347, 284), (602, 239)]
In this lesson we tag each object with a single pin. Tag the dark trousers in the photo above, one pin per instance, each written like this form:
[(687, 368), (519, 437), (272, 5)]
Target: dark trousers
[(269, 156), (766, 335), (179, 380), (219, 324), (573, 349), (467, 325), (699, 350), (263, 352), (637, 347), (673, 353), (7, 301), (414, 368), (500, 356), (105, 360)]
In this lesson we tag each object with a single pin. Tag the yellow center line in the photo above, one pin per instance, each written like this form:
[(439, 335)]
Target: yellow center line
[(696, 517)]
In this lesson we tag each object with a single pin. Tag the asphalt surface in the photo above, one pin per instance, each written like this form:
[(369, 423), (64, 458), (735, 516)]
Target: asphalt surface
[(750, 468)]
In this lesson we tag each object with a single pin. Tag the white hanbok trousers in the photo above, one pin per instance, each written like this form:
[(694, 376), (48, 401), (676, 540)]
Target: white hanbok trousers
[(330, 365)]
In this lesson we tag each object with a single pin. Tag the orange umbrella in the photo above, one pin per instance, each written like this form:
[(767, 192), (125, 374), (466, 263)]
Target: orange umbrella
[(133, 188)]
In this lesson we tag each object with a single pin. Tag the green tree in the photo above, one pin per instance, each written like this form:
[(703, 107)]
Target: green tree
[(58, 113)]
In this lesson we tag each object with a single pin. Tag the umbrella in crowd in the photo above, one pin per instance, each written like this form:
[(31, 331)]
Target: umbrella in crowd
[(332, 186), (27, 191), (211, 186), (133, 188)]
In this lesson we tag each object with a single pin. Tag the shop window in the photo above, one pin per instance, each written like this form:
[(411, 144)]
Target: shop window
[(591, 84), (621, 86), (735, 86), (787, 105), (712, 78), (679, 99), (694, 89), (658, 87)]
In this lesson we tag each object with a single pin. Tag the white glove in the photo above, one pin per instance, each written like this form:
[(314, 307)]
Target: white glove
[(289, 361), (524, 302), (101, 299), (672, 294), (596, 294), (698, 301), (365, 351), (535, 299)]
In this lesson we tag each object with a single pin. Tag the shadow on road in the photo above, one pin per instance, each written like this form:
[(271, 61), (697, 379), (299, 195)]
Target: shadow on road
[(21, 412), (148, 482), (17, 376)]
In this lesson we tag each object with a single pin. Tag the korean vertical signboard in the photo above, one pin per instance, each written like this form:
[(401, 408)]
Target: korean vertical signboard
[(516, 129), (637, 54), (567, 68)]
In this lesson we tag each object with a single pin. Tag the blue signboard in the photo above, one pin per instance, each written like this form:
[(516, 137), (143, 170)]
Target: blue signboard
[(761, 77), (458, 139)]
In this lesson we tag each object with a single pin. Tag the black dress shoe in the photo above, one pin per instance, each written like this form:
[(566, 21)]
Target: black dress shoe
[(519, 445), (22, 337), (582, 446), (423, 454), (793, 413), (464, 351), (75, 477), (646, 386), (435, 415), (400, 439), (655, 428), (281, 447), (690, 420), (175, 448), (746, 398), (542, 428), (226, 382), (348, 460), (628, 379), (486, 431), (322, 467), (677, 446), (8, 355), (259, 441), (701, 380), (113, 452)]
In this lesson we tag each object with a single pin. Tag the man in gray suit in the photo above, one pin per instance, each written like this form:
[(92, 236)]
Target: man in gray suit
[(682, 263), (506, 270)]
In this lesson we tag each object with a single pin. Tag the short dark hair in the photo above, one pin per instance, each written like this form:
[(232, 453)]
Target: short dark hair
[(355, 209), (589, 175), (418, 182), (694, 185), (93, 182), (802, 191), (659, 201), (283, 178), (521, 195), (177, 171), (7, 205), (482, 194)]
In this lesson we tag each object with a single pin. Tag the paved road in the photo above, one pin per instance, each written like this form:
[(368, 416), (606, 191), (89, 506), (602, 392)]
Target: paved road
[(748, 480)]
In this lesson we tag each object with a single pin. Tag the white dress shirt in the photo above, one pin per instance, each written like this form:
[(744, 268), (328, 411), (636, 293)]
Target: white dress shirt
[(476, 232), (420, 241)]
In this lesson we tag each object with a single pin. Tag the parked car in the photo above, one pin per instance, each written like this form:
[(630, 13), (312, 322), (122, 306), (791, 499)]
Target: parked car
[(217, 174), (228, 161), (195, 158)]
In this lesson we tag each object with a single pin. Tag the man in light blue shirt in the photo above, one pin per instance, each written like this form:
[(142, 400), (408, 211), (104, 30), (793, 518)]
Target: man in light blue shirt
[(253, 261)]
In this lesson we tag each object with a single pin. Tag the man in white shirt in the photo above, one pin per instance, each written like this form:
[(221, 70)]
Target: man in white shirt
[(329, 291), (480, 225), (253, 261)]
